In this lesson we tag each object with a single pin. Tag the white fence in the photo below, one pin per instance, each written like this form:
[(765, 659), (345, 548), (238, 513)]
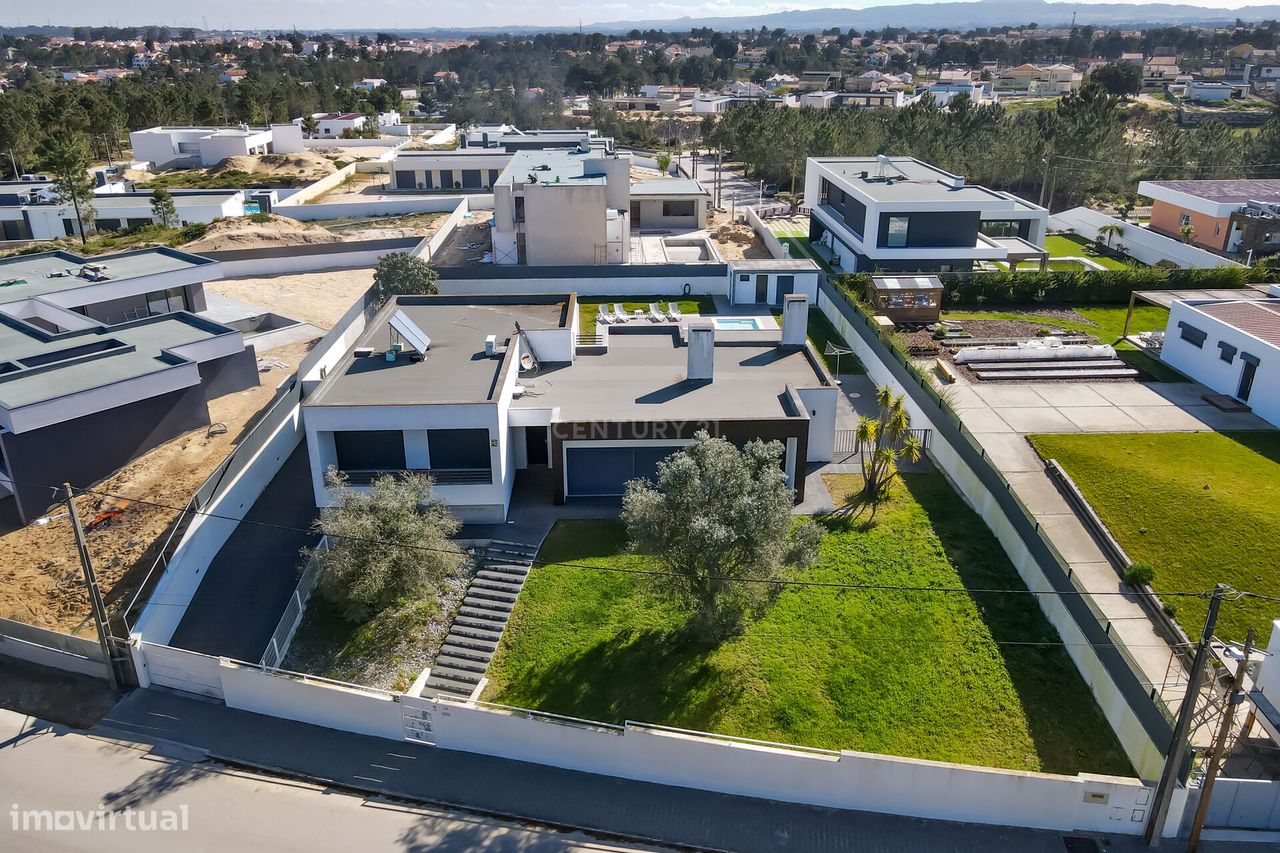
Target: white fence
[(591, 286), (282, 636), (51, 648), (363, 254), (1147, 246), (771, 241), (428, 248), (378, 205), (647, 753), (1252, 804)]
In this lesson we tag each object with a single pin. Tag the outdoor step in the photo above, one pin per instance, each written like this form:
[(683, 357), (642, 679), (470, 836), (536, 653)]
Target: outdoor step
[(506, 565), (463, 664), (474, 645), (1050, 363), (489, 604), (495, 617), (491, 593), (453, 650), (507, 545), (481, 629), (453, 688), (463, 676), (1058, 374), (502, 582)]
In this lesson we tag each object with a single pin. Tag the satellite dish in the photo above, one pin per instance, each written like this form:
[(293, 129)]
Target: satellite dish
[(526, 361)]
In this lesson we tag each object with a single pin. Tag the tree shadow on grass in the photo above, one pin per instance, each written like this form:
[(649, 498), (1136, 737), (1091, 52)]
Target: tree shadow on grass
[(642, 675), (1063, 719), (854, 513)]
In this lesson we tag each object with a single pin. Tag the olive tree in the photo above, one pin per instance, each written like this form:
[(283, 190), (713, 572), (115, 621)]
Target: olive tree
[(401, 274), (385, 544), (719, 521)]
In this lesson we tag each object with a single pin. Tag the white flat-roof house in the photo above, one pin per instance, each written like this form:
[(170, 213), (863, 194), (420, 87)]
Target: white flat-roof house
[(474, 390), (1231, 346), (32, 210), (899, 214), (333, 124), (172, 147)]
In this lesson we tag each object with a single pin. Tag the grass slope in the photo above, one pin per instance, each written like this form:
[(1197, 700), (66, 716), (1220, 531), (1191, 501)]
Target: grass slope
[(1201, 508), (922, 675)]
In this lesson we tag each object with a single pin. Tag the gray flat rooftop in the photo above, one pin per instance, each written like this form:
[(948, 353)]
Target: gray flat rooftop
[(668, 187), (642, 378), (455, 370), (773, 264), (905, 179), (35, 368), (548, 165), (43, 273)]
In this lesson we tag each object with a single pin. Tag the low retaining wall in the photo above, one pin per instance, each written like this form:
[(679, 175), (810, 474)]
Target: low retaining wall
[(1147, 246), (613, 280), (1139, 721), (51, 648), (283, 260), (771, 241), (399, 205)]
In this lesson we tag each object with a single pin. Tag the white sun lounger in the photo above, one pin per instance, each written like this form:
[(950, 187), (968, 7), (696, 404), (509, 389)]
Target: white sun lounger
[(604, 315), (655, 313), (619, 313), (673, 311)]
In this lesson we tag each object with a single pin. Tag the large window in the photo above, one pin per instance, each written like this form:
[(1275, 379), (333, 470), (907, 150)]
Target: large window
[(369, 450), (678, 208), (458, 449), (1191, 334), (519, 211), (896, 237), (167, 301)]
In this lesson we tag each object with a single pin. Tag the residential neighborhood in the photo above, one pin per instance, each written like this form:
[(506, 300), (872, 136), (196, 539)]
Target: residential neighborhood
[(814, 430)]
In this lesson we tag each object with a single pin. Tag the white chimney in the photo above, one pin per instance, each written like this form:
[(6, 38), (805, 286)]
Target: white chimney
[(795, 319), (702, 351)]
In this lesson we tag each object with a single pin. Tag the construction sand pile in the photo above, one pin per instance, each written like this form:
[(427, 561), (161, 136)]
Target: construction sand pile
[(307, 163), (735, 241), (242, 232)]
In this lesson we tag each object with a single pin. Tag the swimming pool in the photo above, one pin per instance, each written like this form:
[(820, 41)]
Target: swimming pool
[(738, 324)]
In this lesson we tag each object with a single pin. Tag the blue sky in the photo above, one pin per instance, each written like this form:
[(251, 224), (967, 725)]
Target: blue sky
[(346, 14)]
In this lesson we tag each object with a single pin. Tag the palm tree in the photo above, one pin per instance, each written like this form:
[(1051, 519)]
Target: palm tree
[(1187, 232), (1109, 231), (882, 441)]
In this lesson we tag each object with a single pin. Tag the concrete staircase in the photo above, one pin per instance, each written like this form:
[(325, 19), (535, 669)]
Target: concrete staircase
[(473, 638)]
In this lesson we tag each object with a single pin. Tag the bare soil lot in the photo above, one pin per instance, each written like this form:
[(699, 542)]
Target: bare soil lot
[(320, 298), (468, 242), (40, 575), (735, 241), (244, 232)]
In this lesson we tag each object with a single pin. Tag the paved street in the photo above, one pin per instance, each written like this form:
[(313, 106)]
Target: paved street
[(735, 189), (49, 767)]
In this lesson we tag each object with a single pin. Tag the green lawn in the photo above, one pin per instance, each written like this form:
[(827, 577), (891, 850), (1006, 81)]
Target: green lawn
[(1201, 508), (799, 247), (1106, 324), (1073, 246), (690, 305), (821, 332), (914, 674)]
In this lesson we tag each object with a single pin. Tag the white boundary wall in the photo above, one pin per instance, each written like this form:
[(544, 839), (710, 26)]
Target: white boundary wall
[(771, 241), (1147, 246), (375, 206), (845, 780), (304, 261), (1141, 751), (590, 287), (51, 648)]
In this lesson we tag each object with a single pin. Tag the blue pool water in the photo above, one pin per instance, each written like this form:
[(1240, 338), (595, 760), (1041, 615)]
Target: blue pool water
[(745, 324)]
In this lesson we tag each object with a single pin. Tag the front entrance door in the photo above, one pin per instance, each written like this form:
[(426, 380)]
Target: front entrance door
[(535, 443), (1247, 373), (762, 288), (786, 287)]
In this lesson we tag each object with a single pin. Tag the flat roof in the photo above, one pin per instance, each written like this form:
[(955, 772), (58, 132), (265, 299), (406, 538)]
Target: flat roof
[(47, 272), (642, 377), (917, 282), (125, 351), (548, 165), (668, 186), (1259, 318), (1226, 191), (1166, 298), (455, 369), (905, 179)]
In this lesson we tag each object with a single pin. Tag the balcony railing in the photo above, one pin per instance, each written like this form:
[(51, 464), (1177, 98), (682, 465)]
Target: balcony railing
[(442, 476)]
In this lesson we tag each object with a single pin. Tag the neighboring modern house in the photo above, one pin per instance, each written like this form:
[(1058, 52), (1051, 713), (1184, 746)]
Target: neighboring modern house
[(898, 214), (1205, 206), (943, 93), (173, 147), (335, 124), (1231, 346), (1056, 79), (32, 210), (368, 84), (96, 368), (675, 204), (873, 100), (478, 390)]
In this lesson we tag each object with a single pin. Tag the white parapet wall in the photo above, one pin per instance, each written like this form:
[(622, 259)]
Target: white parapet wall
[(1146, 246), (771, 241)]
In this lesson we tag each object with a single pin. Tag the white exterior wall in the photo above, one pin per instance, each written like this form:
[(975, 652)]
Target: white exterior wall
[(821, 403), (744, 292), (1205, 365), (597, 285), (286, 138), (215, 148), (1147, 246)]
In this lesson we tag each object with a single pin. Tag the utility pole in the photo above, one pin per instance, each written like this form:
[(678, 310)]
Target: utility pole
[(95, 594), (1044, 185), (1232, 699), (1178, 745), (718, 170), (14, 163)]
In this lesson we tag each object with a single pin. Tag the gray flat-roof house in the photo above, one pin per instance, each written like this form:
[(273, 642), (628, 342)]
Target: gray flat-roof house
[(106, 288), (79, 399), (474, 390), (898, 214)]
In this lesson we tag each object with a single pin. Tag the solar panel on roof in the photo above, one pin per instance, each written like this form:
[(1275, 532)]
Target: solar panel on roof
[(409, 330)]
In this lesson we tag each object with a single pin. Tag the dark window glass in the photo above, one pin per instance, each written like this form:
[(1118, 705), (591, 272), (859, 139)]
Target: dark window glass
[(456, 449), (369, 450)]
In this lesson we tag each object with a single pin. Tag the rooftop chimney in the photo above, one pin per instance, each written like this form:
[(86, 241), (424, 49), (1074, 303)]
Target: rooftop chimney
[(702, 349), (795, 319)]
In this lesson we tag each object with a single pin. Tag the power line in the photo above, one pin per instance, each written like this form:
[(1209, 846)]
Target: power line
[(1235, 594)]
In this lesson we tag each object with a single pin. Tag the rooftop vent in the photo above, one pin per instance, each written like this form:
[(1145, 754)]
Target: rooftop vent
[(702, 349), (795, 319)]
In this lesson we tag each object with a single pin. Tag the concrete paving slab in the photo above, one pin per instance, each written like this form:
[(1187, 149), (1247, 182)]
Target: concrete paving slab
[(1071, 539), (1046, 419), (1001, 396), (1101, 419), (1070, 394), (1133, 393), (1010, 452), (1217, 419), (1165, 418), (1180, 393), (964, 397), (983, 420), (1038, 493)]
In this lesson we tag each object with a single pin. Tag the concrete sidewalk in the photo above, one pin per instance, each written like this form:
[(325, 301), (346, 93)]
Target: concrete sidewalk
[(620, 808)]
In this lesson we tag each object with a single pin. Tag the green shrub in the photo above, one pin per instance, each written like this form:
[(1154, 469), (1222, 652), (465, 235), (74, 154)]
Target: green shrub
[(194, 231), (1139, 574), (260, 218)]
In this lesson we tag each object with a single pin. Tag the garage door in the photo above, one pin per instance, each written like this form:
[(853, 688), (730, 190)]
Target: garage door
[(606, 470)]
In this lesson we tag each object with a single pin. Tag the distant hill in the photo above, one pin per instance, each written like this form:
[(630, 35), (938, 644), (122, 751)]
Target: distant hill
[(983, 13)]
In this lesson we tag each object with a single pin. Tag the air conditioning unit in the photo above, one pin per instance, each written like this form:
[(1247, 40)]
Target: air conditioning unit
[(491, 345)]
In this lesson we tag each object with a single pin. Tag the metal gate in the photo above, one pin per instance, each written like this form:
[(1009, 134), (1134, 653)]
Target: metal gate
[(417, 714), (1245, 804)]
